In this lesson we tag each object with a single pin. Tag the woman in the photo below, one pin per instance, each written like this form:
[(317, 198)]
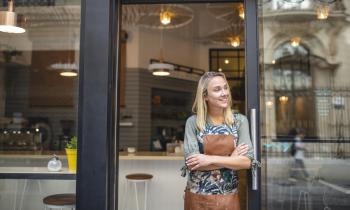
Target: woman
[(217, 144)]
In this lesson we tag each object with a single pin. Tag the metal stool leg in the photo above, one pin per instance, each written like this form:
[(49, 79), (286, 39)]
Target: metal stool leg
[(300, 193), (126, 191), (146, 191), (16, 192), (137, 200), (291, 197), (306, 197), (23, 191)]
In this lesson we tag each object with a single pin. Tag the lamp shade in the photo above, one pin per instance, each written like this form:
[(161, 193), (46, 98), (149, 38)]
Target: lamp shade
[(160, 69), (8, 22)]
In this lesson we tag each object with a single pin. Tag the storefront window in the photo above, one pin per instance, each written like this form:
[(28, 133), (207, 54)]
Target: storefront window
[(39, 70), (304, 104)]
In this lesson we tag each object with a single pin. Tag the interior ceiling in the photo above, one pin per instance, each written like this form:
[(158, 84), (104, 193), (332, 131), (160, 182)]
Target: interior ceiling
[(204, 23), (207, 22), (50, 16)]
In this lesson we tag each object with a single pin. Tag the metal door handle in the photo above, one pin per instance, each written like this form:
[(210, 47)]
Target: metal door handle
[(255, 149)]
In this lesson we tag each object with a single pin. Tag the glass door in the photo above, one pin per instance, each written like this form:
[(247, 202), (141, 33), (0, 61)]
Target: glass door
[(193, 38), (304, 104)]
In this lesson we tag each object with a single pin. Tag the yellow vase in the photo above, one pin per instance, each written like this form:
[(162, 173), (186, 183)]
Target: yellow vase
[(72, 159)]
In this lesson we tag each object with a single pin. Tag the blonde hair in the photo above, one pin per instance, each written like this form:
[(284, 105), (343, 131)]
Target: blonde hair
[(200, 105)]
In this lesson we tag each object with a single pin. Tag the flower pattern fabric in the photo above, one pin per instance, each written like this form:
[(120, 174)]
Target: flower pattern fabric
[(220, 181)]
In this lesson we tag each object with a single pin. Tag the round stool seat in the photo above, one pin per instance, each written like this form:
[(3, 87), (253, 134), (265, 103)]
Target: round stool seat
[(139, 176), (67, 199), (137, 179)]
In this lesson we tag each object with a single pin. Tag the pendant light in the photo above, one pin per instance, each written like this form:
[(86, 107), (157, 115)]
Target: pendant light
[(160, 68), (71, 73), (165, 17), (8, 20), (71, 69), (66, 69), (235, 41), (295, 41), (241, 11), (322, 12), (283, 99)]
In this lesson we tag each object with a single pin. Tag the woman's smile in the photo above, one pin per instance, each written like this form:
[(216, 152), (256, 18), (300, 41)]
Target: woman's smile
[(217, 95), (223, 99)]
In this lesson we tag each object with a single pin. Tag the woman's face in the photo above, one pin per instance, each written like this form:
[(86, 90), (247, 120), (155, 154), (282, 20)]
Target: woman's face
[(217, 93)]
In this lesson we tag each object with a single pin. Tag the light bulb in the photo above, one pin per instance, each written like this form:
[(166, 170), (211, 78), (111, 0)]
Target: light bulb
[(165, 17), (69, 74), (283, 99), (295, 41), (269, 103), (241, 11), (322, 12), (227, 61), (161, 72), (235, 41)]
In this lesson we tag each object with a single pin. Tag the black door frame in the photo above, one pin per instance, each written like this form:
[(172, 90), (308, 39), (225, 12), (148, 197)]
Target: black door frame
[(97, 175), (97, 116)]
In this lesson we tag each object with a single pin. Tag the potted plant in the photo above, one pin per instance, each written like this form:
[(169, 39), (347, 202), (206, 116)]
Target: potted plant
[(71, 151)]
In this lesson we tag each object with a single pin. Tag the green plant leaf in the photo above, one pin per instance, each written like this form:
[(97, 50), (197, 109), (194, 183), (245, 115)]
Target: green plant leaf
[(73, 143)]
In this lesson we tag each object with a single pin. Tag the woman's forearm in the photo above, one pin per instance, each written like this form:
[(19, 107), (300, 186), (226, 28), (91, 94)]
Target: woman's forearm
[(232, 162), (208, 168)]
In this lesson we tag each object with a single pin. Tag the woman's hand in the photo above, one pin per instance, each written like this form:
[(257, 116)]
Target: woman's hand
[(241, 150), (196, 161)]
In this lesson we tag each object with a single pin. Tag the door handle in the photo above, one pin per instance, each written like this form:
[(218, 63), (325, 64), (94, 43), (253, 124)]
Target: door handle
[(255, 149)]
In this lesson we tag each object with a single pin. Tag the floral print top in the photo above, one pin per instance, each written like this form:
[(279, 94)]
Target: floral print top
[(220, 181)]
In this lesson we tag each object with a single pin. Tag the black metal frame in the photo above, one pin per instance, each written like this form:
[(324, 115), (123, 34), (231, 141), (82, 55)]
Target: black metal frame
[(97, 173), (217, 50), (253, 88)]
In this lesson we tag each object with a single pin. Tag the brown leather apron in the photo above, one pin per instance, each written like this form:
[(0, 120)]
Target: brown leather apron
[(221, 145)]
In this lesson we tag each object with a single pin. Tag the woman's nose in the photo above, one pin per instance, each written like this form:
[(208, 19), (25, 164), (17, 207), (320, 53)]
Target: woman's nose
[(223, 92)]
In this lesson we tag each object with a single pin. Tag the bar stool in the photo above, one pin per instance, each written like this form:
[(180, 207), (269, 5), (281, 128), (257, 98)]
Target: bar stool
[(306, 198), (285, 193), (59, 201), (134, 179)]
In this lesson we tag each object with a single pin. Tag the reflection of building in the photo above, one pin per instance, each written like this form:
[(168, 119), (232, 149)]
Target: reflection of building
[(306, 68)]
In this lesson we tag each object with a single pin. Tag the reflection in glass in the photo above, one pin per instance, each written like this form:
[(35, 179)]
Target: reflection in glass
[(38, 106), (34, 94), (305, 113)]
